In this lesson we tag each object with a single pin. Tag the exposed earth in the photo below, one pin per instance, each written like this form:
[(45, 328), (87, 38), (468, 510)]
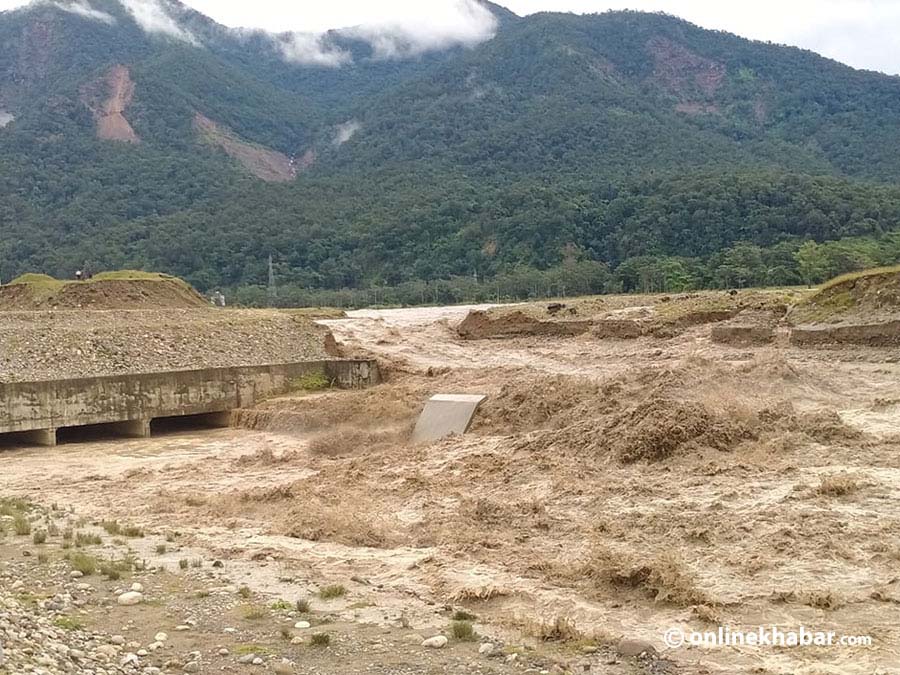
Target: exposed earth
[(611, 488)]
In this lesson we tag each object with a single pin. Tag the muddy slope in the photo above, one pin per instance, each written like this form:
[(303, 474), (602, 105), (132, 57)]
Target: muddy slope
[(108, 99), (264, 163)]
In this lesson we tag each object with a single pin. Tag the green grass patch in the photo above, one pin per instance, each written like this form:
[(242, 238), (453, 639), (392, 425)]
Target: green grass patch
[(14, 507), (252, 648), (310, 382), (68, 623)]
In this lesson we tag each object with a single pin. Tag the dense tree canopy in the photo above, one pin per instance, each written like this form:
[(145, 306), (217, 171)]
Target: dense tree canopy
[(569, 154)]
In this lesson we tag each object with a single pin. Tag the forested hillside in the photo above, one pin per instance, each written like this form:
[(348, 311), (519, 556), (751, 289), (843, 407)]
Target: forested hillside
[(566, 154)]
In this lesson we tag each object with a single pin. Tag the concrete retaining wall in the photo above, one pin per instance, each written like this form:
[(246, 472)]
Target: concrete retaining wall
[(134, 400)]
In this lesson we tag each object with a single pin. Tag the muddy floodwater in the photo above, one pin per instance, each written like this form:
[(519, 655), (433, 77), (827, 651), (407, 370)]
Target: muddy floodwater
[(608, 489)]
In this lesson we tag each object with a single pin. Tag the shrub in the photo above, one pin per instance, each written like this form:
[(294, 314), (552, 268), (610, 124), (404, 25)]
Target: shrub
[(311, 382), (21, 526), (254, 612), (462, 630), (39, 537), (463, 615), (302, 606), (332, 591), (83, 539), (320, 639), (86, 564)]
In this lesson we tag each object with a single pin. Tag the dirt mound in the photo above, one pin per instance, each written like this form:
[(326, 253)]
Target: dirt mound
[(625, 329), (661, 428), (651, 431), (523, 405), (113, 290), (479, 325), (822, 426), (868, 297), (743, 336)]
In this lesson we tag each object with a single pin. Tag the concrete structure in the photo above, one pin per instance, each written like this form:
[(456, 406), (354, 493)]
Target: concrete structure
[(446, 414), (127, 404)]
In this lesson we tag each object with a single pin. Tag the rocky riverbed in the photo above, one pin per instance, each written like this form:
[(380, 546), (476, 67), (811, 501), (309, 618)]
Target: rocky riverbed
[(80, 597)]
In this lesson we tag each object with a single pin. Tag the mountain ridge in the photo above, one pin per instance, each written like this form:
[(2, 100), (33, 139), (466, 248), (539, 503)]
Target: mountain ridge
[(407, 169)]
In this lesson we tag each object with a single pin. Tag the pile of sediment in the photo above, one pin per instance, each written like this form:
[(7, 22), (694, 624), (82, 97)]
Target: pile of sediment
[(114, 290), (83, 343)]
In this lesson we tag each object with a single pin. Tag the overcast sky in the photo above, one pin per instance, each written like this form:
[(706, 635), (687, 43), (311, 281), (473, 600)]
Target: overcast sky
[(861, 33)]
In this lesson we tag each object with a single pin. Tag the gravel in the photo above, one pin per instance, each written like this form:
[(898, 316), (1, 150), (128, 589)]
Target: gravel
[(84, 343)]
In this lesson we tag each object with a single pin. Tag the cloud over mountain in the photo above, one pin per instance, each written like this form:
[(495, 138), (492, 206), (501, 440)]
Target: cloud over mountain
[(83, 8), (153, 17)]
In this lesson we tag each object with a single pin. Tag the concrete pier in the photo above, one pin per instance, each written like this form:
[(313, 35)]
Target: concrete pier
[(127, 405)]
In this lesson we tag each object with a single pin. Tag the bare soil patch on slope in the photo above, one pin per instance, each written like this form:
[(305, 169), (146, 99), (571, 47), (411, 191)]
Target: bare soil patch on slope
[(264, 163), (108, 99)]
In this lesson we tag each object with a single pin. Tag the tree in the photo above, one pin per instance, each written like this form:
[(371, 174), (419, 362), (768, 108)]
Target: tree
[(813, 262)]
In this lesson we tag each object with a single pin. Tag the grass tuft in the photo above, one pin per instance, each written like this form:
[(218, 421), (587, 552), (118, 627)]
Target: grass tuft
[(254, 612), (462, 630), (84, 563), (332, 591), (21, 526), (320, 639)]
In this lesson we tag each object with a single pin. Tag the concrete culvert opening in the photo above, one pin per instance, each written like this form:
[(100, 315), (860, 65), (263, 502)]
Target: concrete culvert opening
[(99, 432), (183, 423), (22, 439)]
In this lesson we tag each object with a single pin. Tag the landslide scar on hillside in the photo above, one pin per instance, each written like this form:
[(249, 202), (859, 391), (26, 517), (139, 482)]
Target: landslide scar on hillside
[(692, 78), (264, 163), (108, 99)]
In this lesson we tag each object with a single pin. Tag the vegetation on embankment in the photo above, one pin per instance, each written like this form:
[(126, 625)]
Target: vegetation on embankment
[(868, 296), (121, 289)]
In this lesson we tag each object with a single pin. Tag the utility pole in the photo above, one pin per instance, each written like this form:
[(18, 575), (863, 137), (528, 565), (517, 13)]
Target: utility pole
[(273, 289)]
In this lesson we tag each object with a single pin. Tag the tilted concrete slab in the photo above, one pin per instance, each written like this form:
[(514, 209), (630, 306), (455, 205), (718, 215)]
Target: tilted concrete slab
[(446, 414)]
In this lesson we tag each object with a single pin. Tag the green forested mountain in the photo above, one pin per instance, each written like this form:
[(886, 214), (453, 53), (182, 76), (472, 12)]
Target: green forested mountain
[(621, 150)]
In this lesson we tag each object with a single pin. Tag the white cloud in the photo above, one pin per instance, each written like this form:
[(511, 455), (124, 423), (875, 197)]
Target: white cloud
[(435, 27), (83, 8), (344, 132), (861, 33), (153, 17), (311, 49)]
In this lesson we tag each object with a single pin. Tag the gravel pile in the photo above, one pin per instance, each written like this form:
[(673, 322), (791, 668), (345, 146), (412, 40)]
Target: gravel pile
[(68, 344), (31, 641)]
